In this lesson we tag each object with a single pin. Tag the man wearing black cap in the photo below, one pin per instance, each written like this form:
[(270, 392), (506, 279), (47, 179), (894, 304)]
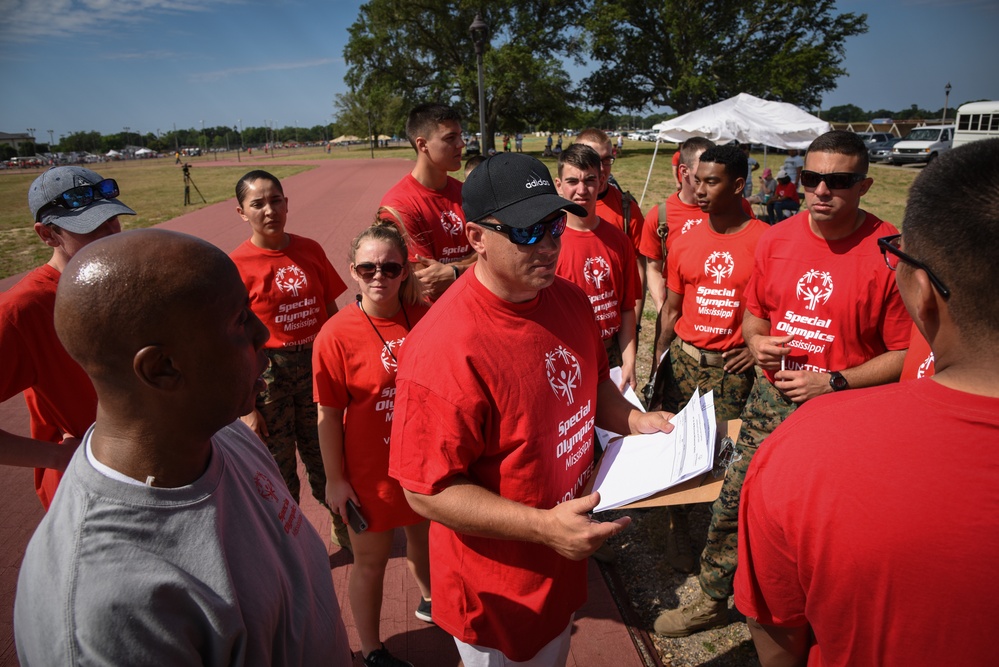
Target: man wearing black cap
[(498, 391), (72, 207)]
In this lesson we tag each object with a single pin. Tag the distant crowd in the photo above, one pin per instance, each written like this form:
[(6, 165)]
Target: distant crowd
[(173, 390)]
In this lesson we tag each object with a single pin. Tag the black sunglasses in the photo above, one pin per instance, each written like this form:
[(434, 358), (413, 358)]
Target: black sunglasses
[(836, 181), (892, 254), (368, 270), (529, 235), (84, 195)]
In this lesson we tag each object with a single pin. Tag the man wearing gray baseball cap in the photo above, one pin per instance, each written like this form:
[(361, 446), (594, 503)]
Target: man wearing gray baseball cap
[(498, 390), (71, 207)]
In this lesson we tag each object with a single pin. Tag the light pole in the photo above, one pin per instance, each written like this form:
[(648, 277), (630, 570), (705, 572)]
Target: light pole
[(480, 37), (204, 141), (51, 139), (946, 101), (239, 145)]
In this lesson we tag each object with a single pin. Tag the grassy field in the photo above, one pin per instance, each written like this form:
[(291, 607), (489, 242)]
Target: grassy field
[(155, 188)]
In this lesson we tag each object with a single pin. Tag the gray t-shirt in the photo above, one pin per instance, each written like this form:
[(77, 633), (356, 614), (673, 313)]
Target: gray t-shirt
[(225, 571)]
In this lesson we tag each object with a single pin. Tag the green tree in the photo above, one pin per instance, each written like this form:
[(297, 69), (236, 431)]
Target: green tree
[(423, 51), (371, 111), (686, 54), (845, 113)]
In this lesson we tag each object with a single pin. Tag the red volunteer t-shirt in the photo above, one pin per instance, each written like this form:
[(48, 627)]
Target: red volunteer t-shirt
[(919, 359), (59, 395), (505, 395), (433, 220), (710, 271), (353, 370), (610, 207), (837, 297), (873, 504), (602, 264), (289, 288)]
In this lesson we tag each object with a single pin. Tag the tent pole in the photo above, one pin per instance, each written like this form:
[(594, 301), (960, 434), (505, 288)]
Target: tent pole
[(649, 177)]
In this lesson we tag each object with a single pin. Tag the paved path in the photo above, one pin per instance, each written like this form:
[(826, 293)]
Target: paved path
[(331, 204)]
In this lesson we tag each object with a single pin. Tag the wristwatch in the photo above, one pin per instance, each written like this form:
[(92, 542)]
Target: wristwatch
[(838, 382)]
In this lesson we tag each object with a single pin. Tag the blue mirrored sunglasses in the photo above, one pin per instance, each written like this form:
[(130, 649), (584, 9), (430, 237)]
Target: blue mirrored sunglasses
[(529, 235), (84, 195)]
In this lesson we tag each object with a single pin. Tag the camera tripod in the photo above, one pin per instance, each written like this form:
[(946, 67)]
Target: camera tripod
[(188, 182)]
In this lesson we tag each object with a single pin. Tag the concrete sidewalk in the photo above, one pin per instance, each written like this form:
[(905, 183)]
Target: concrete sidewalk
[(330, 204)]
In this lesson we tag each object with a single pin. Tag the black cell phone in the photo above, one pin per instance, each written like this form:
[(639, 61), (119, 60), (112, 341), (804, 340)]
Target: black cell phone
[(355, 519)]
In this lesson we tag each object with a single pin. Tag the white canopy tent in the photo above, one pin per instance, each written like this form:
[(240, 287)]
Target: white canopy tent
[(746, 119)]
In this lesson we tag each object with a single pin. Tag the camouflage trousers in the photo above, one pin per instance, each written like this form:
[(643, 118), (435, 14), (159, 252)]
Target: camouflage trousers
[(731, 389), (765, 409), (291, 416)]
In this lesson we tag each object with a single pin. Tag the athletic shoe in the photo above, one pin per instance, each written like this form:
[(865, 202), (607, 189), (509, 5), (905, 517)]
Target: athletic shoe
[(382, 658), (338, 533), (423, 611), (702, 614)]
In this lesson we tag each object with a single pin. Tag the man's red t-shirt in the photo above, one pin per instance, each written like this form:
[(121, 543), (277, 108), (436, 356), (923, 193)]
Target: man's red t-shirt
[(610, 207), (919, 359), (433, 221), (289, 288), (837, 298), (354, 370), (710, 271), (503, 394), (59, 395), (602, 263)]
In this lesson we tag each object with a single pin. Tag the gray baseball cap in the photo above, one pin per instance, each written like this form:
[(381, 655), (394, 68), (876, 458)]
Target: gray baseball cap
[(83, 220)]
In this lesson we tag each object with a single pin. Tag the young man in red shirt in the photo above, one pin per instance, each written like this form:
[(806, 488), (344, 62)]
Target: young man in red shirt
[(823, 315), (616, 208), (682, 215), (869, 521), (701, 322), (71, 207), (498, 391), (598, 258), (426, 203)]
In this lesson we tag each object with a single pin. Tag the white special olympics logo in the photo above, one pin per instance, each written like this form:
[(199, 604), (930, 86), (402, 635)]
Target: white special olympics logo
[(451, 222), (815, 287), (596, 270), (719, 265), (390, 351), (564, 374), (290, 279), (690, 224), (924, 367)]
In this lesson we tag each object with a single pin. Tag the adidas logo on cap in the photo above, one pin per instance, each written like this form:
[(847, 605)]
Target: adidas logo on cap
[(537, 182)]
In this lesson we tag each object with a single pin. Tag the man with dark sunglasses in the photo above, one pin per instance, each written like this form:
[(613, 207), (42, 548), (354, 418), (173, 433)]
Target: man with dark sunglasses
[(71, 207), (498, 391), (869, 525), (823, 315)]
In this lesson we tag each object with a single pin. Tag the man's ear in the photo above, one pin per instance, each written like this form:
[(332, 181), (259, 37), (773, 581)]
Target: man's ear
[(421, 144), (739, 185), (48, 235), (474, 234), (155, 368)]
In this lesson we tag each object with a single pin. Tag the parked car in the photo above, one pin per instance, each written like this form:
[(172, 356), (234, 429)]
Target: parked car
[(871, 138), (922, 144), (880, 151)]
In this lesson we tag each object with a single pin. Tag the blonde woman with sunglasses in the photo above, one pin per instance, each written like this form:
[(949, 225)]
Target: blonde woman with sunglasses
[(354, 365)]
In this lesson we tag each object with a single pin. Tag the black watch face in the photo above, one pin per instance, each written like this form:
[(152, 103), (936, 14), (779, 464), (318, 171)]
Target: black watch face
[(838, 382)]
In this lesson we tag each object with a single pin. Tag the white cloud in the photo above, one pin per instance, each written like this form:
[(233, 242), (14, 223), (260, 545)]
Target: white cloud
[(25, 20), (207, 77)]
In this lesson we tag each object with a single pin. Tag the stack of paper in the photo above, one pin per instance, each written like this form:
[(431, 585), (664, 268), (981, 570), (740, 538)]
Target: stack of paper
[(637, 466)]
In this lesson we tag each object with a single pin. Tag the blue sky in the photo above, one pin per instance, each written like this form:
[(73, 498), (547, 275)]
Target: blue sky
[(150, 65)]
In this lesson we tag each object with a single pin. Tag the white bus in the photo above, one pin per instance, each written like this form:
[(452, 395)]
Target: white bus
[(976, 120)]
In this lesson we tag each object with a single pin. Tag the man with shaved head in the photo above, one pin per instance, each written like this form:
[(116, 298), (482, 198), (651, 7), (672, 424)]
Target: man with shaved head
[(173, 539)]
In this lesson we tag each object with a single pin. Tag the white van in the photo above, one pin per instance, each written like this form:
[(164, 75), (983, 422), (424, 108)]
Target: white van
[(922, 144), (976, 120)]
